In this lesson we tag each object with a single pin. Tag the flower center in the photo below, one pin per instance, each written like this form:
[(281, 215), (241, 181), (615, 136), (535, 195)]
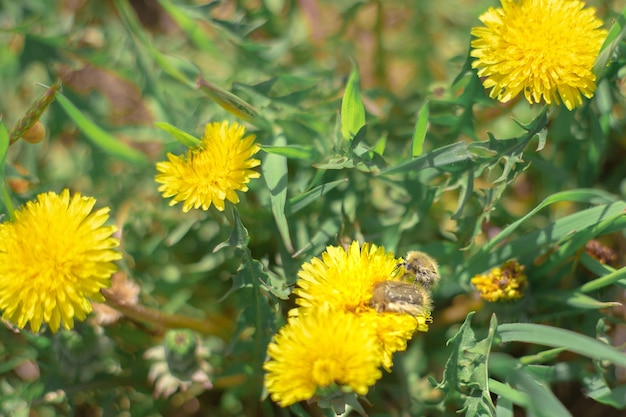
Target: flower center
[(325, 371)]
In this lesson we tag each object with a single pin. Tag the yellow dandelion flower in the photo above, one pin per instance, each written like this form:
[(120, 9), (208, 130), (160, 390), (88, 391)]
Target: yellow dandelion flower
[(394, 331), (543, 48), (346, 280), (55, 256), (319, 352), (213, 172), (501, 283)]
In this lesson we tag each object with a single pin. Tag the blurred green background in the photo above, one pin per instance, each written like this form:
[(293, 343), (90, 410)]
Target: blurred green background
[(127, 65)]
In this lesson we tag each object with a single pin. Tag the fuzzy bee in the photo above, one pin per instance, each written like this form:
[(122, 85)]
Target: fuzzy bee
[(421, 267), (401, 297)]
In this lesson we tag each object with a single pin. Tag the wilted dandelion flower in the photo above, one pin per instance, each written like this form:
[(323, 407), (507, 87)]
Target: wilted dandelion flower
[(600, 252), (211, 173), (503, 283), (122, 291), (320, 352), (345, 279), (55, 256), (179, 364), (543, 48)]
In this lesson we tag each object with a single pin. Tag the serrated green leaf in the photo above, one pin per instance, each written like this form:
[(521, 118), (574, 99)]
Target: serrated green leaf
[(465, 377), (239, 236), (257, 313)]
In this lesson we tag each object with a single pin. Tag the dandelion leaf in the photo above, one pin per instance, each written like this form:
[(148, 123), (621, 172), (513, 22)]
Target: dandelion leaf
[(465, 378)]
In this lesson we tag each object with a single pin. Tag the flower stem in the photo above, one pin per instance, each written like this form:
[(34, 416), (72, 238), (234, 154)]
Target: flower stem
[(218, 325)]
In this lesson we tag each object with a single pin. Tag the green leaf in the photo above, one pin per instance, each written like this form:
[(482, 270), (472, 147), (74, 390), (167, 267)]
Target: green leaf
[(257, 312), (465, 376), (615, 35), (419, 134), (560, 338), (181, 136), (4, 147), (594, 266), (291, 151), (336, 162), (574, 241), (180, 231), (508, 393), (326, 231), (239, 236), (352, 109), (578, 300), (504, 407), (597, 389), (445, 156), (274, 171), (180, 70), (532, 243), (194, 31), (541, 357), (604, 281), (542, 402), (299, 202), (98, 136), (232, 104)]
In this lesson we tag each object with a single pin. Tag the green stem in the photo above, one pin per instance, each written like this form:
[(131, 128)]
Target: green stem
[(6, 198), (217, 326)]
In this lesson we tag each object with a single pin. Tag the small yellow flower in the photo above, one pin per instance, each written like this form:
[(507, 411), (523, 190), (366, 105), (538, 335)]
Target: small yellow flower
[(55, 256), (502, 283), (319, 352), (345, 279), (213, 172), (543, 48)]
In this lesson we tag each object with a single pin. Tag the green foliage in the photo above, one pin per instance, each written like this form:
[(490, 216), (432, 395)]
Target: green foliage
[(373, 128), (465, 376)]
